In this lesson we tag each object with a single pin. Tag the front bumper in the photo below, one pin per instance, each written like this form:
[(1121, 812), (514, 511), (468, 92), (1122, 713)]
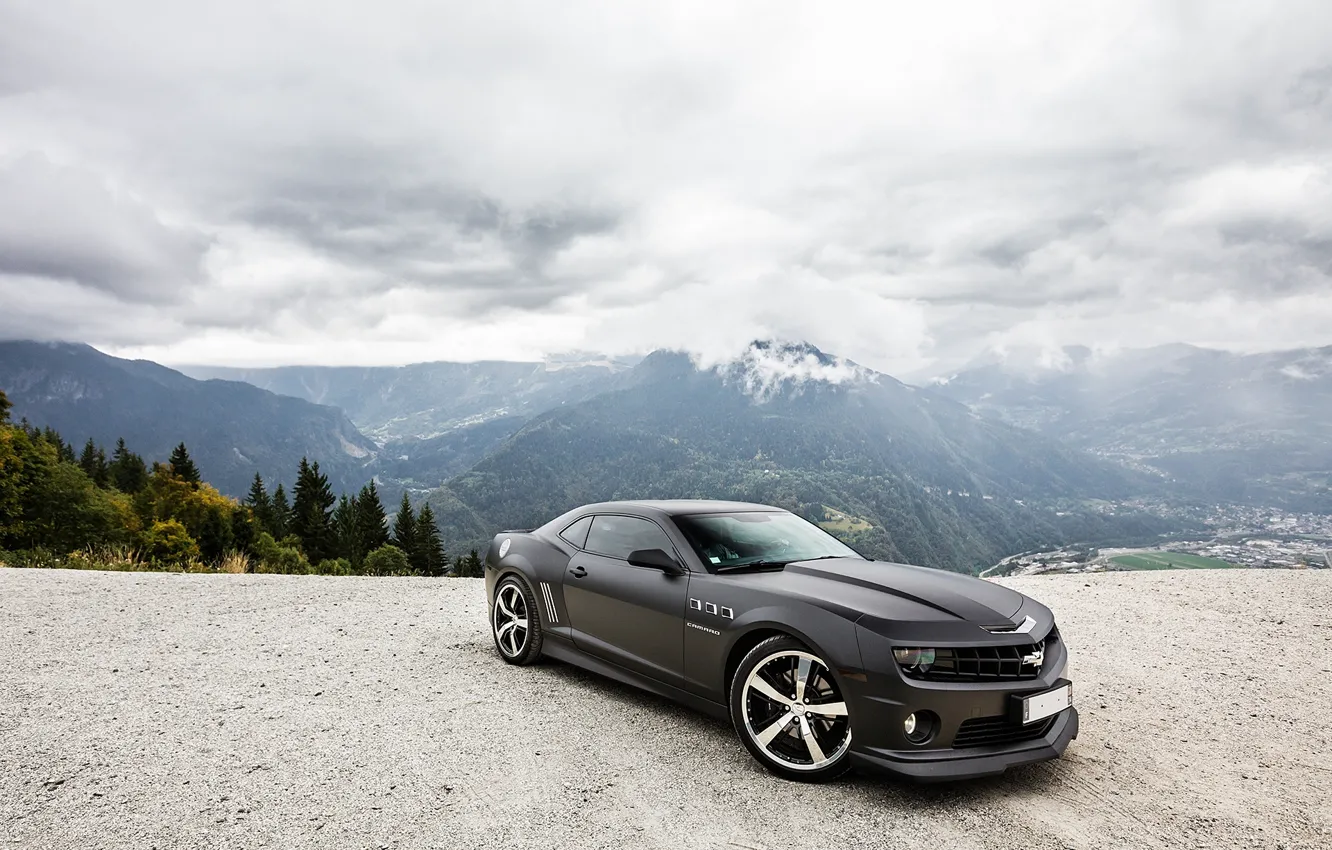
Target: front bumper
[(975, 732), (971, 762)]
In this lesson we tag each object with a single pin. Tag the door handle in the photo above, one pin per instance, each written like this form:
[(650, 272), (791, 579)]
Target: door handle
[(578, 572)]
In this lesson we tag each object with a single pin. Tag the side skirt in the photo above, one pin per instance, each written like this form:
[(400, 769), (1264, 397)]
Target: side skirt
[(565, 651)]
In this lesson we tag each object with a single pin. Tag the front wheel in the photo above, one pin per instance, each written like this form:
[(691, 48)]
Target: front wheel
[(515, 623), (789, 712)]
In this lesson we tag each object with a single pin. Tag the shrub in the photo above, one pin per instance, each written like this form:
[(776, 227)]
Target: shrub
[(168, 543), (387, 561), (32, 559), (275, 557), (334, 567)]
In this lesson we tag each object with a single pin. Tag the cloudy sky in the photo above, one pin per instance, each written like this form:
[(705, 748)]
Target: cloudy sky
[(910, 185)]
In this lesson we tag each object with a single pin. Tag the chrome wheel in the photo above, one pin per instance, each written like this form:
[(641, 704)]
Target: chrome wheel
[(509, 620), (794, 712)]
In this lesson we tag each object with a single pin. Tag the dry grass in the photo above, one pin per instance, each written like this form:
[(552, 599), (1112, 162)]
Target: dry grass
[(236, 563)]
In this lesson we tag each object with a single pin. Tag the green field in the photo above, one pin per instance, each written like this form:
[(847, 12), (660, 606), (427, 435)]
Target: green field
[(835, 520), (1169, 561)]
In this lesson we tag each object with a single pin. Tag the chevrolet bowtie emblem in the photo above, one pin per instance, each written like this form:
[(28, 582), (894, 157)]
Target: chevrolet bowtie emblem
[(1036, 659)]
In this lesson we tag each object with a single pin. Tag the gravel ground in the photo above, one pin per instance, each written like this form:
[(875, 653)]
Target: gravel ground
[(179, 711)]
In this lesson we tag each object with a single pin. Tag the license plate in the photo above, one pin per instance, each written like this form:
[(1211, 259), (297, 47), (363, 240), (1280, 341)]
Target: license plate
[(1045, 704)]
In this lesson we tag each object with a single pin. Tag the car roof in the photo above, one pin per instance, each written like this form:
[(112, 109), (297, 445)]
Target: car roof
[(680, 507)]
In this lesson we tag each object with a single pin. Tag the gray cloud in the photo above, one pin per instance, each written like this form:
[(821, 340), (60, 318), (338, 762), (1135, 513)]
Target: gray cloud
[(63, 223), (905, 187)]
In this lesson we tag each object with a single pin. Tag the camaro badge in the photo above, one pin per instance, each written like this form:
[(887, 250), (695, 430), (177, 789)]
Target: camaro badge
[(1036, 659)]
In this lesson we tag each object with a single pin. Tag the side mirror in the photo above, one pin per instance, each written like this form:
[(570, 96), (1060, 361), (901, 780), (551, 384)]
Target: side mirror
[(657, 559)]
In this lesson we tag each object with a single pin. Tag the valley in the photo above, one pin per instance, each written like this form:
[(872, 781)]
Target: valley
[(1102, 455)]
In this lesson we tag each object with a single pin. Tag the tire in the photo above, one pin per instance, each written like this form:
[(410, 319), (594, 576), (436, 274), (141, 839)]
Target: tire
[(797, 739), (515, 604)]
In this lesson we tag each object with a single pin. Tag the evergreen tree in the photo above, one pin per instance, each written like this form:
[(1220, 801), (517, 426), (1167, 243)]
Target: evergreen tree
[(183, 467), (88, 460), (311, 506), (260, 505), (101, 470), (5, 406), (404, 531), (348, 531), (470, 567), (64, 450), (371, 521), (430, 549), (281, 514), (129, 474)]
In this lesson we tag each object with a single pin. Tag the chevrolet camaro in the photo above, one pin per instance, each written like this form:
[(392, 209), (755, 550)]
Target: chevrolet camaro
[(821, 658)]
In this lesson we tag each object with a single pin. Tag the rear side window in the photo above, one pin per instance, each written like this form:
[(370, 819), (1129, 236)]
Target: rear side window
[(617, 536), (577, 533)]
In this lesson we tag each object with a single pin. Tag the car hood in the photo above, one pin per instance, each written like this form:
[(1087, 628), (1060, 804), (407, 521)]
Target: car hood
[(888, 591)]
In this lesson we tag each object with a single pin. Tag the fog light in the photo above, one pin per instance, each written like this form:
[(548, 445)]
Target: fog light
[(919, 727)]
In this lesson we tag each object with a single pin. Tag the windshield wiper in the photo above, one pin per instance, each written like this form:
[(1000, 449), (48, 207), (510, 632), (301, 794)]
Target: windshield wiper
[(753, 565)]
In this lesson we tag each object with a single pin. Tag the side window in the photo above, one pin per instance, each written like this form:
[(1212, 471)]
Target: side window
[(577, 533), (617, 536)]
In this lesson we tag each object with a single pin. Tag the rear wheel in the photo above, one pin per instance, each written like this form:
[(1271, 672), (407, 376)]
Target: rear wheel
[(789, 712), (515, 623)]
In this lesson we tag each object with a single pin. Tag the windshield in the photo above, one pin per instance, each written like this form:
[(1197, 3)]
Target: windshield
[(736, 539)]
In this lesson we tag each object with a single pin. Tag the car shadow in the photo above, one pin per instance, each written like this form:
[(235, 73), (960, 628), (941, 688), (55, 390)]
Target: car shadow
[(1032, 780)]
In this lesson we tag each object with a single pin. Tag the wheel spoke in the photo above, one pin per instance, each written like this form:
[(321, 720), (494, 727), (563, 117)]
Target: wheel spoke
[(829, 708), (803, 670), (811, 742), (770, 692), (521, 623), (504, 606), (765, 737)]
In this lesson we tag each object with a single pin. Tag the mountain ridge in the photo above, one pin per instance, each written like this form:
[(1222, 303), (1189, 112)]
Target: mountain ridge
[(232, 428)]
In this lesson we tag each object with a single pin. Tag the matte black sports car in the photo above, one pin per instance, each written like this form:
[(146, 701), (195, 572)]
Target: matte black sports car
[(821, 658)]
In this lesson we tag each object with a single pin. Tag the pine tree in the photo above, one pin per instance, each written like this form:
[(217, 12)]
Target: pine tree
[(5, 406), (430, 549), (102, 470), (281, 514), (470, 567), (53, 439), (183, 467), (371, 521), (347, 530), (404, 531), (88, 460), (129, 474), (312, 503), (260, 505)]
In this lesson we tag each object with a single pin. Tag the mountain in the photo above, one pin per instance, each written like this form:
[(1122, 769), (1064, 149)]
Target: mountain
[(1251, 428), (902, 472), (232, 429), (422, 401)]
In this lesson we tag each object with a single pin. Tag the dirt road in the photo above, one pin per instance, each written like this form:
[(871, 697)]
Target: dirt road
[(180, 711)]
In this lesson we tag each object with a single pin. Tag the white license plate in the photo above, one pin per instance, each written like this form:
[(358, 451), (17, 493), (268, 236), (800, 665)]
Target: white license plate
[(1043, 705)]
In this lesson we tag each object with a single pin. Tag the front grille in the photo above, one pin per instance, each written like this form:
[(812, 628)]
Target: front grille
[(988, 731), (985, 663)]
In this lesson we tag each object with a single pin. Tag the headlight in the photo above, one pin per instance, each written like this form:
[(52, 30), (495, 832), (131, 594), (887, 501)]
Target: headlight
[(914, 658)]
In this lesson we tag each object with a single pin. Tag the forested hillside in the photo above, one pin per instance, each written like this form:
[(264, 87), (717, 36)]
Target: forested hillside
[(913, 476), (1222, 426), (96, 509), (233, 429)]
